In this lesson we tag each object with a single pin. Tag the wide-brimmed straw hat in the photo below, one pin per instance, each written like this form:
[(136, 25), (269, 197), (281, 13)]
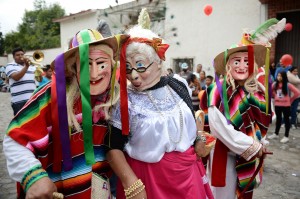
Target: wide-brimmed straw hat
[(63, 63), (91, 37), (221, 59)]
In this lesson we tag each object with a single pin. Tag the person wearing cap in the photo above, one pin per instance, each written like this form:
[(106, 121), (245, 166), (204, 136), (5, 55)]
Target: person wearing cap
[(184, 73), (55, 143), (157, 159)]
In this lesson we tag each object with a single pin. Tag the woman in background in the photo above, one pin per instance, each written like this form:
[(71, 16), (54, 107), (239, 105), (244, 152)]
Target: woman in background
[(281, 90)]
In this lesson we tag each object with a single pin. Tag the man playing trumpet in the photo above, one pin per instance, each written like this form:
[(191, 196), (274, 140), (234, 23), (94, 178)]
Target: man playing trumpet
[(21, 79)]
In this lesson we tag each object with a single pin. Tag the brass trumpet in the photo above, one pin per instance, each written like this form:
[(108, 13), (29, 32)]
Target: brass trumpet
[(38, 56)]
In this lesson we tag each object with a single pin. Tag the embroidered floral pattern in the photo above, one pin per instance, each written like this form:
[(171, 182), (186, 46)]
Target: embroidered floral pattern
[(251, 150)]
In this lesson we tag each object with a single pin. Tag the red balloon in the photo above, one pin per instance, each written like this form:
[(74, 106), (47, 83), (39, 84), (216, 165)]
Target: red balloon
[(288, 27), (286, 60), (208, 9)]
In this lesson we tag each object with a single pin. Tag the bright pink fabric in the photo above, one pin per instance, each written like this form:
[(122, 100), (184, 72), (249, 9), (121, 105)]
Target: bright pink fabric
[(285, 100), (176, 175)]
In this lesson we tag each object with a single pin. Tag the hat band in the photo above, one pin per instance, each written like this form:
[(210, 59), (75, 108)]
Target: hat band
[(155, 43)]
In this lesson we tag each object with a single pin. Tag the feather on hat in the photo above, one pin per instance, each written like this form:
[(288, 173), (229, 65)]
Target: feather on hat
[(259, 40)]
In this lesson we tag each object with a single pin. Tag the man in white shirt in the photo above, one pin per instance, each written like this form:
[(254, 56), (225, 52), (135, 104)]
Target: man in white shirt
[(21, 79)]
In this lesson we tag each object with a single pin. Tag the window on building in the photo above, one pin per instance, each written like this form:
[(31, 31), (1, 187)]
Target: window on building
[(177, 63)]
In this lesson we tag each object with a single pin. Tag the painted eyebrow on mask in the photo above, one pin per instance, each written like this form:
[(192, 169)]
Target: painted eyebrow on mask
[(239, 59), (99, 58)]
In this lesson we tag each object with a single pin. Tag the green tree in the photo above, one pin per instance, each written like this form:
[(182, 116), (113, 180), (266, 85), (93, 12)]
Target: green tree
[(37, 31), (1, 44)]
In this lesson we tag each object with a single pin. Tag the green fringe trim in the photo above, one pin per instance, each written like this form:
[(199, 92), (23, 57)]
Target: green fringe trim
[(33, 175)]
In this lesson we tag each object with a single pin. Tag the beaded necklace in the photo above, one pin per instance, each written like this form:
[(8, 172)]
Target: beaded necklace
[(150, 96)]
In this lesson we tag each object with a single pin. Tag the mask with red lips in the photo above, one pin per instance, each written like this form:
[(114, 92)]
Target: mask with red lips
[(238, 63), (100, 66)]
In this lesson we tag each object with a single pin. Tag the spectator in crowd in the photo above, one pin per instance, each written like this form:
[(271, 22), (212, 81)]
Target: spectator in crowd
[(184, 73), (170, 72), (194, 84), (281, 68), (283, 97), (272, 71), (294, 79), (2, 83), (209, 80), (21, 79), (198, 70), (202, 79), (47, 75)]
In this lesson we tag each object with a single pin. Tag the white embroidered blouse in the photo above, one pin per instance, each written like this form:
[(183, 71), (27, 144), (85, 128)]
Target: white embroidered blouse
[(160, 121)]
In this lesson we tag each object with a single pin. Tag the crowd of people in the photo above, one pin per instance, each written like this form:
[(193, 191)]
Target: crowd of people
[(107, 109)]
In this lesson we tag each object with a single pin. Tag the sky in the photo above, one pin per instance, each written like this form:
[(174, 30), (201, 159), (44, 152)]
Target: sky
[(12, 11)]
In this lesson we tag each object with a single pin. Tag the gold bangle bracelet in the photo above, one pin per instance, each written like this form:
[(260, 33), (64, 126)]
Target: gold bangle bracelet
[(137, 184), (136, 193)]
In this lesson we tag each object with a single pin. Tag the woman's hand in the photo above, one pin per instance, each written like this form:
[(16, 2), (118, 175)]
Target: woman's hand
[(126, 175), (200, 148), (41, 189)]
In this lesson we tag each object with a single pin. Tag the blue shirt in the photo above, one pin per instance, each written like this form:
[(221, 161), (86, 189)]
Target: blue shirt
[(282, 69), (44, 81)]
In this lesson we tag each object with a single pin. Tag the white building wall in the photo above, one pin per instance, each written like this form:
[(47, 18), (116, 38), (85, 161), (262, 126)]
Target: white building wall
[(203, 37), (69, 28), (3, 60)]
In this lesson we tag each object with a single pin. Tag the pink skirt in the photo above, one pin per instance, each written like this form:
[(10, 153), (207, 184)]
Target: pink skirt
[(177, 175)]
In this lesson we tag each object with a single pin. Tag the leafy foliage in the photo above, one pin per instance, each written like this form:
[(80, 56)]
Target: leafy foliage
[(1, 44), (37, 31)]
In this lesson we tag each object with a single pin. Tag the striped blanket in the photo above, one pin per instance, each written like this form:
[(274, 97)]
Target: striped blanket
[(247, 114), (32, 128)]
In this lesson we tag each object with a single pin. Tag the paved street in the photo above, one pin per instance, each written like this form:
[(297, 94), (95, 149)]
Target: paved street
[(281, 176), (7, 185)]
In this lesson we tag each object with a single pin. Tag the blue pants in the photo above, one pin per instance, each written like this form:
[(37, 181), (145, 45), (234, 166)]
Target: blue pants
[(286, 111), (294, 107)]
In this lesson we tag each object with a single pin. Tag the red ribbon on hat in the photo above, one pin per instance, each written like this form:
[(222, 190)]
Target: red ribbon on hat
[(123, 91), (155, 43), (250, 59)]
